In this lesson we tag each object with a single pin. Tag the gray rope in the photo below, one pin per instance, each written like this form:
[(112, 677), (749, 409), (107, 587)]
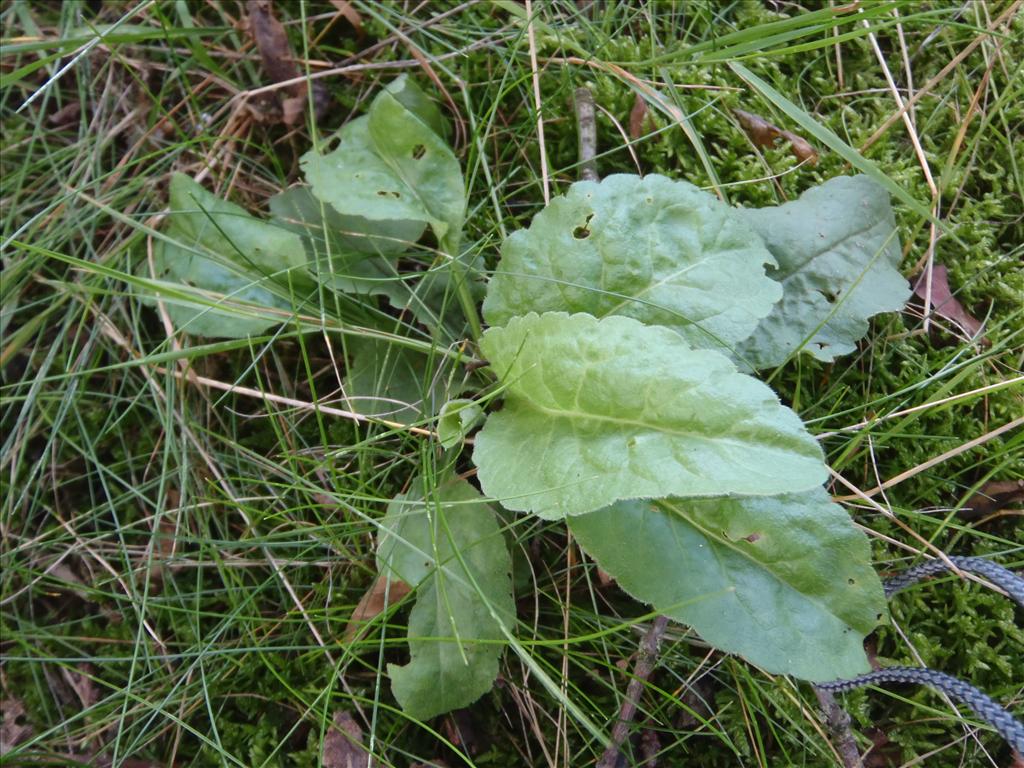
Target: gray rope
[(980, 703), (1006, 580)]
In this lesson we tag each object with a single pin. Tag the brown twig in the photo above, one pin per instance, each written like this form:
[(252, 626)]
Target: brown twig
[(586, 131), (838, 721), (645, 661)]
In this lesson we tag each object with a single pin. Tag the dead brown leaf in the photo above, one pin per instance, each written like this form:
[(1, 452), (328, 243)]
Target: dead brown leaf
[(346, 9), (277, 57), (67, 114), (945, 304), (381, 594), (639, 118), (801, 148), (12, 733), (992, 497), (760, 131), (343, 745), (80, 681), (271, 41), (766, 134)]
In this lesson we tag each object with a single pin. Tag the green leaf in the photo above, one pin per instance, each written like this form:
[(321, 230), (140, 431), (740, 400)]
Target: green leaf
[(451, 549), (221, 314), (784, 581), (838, 256), (215, 246), (348, 253), (391, 382), (228, 232), (391, 166), (301, 211), (660, 251), (601, 410), (359, 256), (412, 97), (456, 419)]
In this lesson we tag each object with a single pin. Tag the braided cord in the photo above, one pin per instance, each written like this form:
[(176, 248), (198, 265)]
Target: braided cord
[(980, 703), (1005, 579)]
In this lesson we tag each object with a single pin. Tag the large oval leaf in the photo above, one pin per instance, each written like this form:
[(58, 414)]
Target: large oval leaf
[(660, 251), (601, 410), (838, 256), (454, 640), (784, 581)]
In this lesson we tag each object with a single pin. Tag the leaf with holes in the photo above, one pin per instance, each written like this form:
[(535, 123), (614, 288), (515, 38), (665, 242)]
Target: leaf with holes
[(392, 166), (601, 410), (451, 549), (838, 255), (238, 263), (660, 251), (784, 581)]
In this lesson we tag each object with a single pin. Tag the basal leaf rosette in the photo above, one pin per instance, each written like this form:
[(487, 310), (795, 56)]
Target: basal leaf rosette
[(601, 410), (660, 251), (784, 581)]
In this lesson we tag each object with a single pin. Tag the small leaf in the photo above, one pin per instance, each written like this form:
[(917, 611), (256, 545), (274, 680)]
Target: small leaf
[(838, 255), (454, 640), (800, 147), (391, 165), (639, 117), (760, 131), (656, 250), (456, 420), (221, 249), (784, 581), (277, 57), (601, 410)]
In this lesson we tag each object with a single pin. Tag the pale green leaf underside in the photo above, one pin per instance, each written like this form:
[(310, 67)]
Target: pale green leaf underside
[(391, 166), (838, 257), (601, 410), (660, 251), (454, 640), (785, 581), (222, 250)]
